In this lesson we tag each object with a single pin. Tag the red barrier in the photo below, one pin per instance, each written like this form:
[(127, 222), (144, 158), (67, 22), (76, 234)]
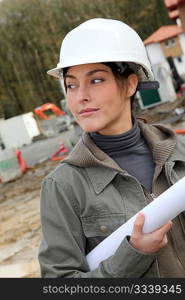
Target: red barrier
[(56, 155), (48, 106), (22, 163), (180, 131)]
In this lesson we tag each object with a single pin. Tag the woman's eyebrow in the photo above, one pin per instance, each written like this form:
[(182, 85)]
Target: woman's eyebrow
[(96, 70), (87, 74), (69, 76)]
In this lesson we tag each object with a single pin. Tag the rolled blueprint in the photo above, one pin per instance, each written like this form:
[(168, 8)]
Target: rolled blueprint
[(161, 210)]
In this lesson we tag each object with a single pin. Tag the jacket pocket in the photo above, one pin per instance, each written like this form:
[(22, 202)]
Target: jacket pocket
[(97, 228)]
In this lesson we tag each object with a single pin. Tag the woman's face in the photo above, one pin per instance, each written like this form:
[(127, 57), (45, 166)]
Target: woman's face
[(96, 101)]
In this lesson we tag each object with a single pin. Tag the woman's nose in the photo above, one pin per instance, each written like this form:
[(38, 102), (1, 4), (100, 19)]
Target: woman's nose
[(83, 94)]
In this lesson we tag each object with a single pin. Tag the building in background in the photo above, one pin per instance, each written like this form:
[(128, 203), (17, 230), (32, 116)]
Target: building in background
[(166, 52)]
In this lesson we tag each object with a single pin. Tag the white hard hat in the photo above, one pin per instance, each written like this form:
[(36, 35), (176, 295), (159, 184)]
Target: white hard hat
[(103, 40)]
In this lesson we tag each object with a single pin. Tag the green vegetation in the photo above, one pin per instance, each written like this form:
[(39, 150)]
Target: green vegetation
[(31, 32)]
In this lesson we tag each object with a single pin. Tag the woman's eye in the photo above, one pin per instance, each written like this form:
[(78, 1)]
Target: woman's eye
[(97, 80), (71, 85)]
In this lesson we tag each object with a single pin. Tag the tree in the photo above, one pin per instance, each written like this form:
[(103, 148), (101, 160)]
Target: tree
[(30, 37)]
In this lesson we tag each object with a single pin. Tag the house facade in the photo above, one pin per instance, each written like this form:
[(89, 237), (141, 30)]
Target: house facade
[(166, 52)]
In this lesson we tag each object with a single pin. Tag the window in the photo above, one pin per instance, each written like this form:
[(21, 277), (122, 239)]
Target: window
[(170, 43), (179, 58)]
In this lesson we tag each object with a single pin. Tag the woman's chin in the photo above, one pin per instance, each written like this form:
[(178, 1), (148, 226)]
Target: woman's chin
[(90, 127)]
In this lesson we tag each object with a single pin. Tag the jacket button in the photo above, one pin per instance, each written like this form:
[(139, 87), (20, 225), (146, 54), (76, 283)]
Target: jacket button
[(103, 228)]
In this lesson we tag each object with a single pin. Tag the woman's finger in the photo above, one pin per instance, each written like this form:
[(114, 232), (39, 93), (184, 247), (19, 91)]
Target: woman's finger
[(138, 224), (165, 228)]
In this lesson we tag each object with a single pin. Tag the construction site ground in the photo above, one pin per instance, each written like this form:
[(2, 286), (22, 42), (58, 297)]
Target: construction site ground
[(20, 228)]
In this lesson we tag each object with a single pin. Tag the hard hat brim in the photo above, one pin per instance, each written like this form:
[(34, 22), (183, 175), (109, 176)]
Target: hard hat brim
[(54, 72), (150, 84)]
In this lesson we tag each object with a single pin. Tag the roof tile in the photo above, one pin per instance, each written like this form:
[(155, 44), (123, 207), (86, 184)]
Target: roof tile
[(163, 33)]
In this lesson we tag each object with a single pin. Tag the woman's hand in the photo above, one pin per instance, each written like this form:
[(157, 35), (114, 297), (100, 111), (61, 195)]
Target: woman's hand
[(148, 242)]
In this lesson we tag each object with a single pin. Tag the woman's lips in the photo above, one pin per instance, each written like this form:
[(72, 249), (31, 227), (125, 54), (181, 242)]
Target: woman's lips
[(88, 111)]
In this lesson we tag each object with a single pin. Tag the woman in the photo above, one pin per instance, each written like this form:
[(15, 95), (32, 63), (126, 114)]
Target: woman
[(116, 167)]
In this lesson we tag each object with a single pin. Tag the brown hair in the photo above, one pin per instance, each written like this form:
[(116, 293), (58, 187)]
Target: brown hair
[(120, 77)]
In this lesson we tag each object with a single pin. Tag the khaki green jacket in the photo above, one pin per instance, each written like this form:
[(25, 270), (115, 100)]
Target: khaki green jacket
[(88, 196)]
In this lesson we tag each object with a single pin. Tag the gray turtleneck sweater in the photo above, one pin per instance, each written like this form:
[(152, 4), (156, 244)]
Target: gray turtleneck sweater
[(131, 153)]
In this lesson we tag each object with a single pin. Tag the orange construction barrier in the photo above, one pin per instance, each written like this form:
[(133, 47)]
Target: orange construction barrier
[(180, 131), (56, 155), (48, 106), (22, 163)]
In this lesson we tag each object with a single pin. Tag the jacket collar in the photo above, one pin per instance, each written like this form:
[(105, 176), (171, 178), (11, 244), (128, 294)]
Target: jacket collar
[(179, 154), (101, 178), (86, 154), (161, 140)]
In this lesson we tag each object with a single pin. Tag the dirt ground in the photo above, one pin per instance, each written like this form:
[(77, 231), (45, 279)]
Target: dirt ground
[(20, 229)]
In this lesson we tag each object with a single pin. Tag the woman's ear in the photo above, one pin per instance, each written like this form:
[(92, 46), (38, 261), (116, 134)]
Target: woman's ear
[(132, 82)]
